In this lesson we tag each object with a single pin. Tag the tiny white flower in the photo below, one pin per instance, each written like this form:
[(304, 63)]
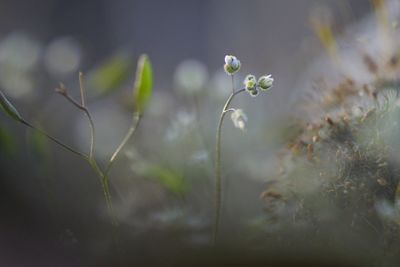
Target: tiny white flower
[(239, 119), (265, 82), (232, 64)]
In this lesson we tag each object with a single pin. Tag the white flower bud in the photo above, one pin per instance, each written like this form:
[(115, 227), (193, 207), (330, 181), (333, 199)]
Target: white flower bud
[(239, 119), (250, 84), (232, 64), (265, 82)]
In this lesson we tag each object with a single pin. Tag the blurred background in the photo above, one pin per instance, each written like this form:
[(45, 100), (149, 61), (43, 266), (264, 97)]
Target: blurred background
[(52, 205)]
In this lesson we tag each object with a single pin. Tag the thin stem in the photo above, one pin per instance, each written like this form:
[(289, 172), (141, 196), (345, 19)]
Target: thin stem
[(91, 124), (82, 89), (129, 134), (84, 108), (106, 190), (92, 133), (55, 140), (233, 84), (91, 159), (229, 110), (218, 180)]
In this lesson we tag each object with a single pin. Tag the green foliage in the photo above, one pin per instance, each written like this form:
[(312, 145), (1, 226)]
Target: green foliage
[(143, 84), (9, 108), (171, 180), (111, 74), (7, 142)]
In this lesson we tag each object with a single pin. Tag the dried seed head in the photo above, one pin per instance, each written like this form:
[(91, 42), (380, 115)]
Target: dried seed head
[(61, 89)]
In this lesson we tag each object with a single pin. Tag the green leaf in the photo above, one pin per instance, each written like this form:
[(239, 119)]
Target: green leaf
[(143, 84), (172, 181), (111, 74), (9, 108)]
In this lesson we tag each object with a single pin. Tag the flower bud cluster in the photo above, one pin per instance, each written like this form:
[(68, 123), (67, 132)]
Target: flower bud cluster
[(253, 86)]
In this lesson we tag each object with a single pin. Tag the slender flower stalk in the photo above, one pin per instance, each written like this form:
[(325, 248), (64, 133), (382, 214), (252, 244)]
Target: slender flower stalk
[(218, 179), (251, 86)]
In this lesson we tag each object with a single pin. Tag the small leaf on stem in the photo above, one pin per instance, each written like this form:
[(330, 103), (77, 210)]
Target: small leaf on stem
[(143, 84), (9, 108)]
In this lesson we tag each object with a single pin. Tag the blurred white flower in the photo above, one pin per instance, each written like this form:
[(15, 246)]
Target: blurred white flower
[(160, 103), (181, 126), (199, 156), (16, 84), (239, 119), (19, 52), (219, 85), (190, 76), (62, 56), (19, 55)]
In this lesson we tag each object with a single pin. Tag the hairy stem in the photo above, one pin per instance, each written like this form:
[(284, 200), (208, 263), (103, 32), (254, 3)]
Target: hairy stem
[(218, 180)]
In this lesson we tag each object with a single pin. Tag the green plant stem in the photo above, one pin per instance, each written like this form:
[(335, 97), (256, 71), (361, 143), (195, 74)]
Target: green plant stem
[(55, 140), (104, 181), (92, 134), (91, 159), (218, 180), (82, 89), (233, 84), (87, 113), (103, 177), (136, 121)]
